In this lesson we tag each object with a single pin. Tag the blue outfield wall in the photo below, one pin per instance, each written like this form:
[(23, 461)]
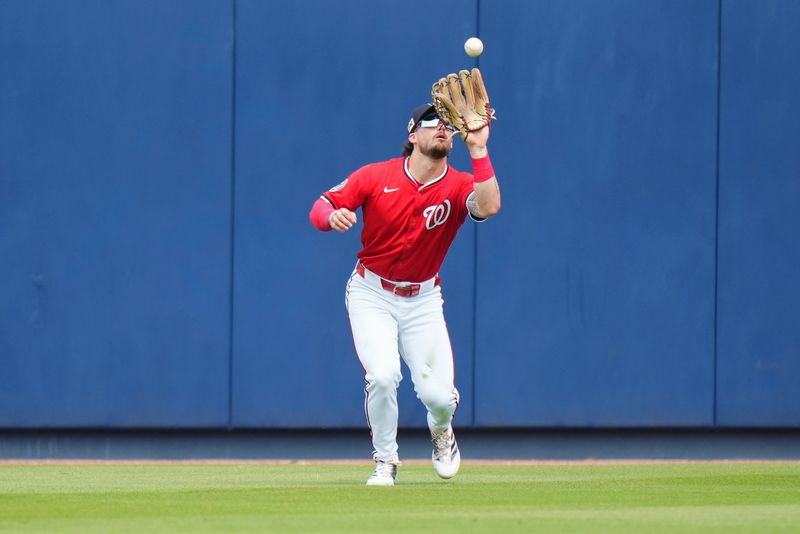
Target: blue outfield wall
[(115, 157), (598, 277), (158, 161), (758, 373), (297, 136)]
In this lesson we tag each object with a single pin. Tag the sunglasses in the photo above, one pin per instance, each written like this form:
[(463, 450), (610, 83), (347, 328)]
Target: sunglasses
[(434, 123)]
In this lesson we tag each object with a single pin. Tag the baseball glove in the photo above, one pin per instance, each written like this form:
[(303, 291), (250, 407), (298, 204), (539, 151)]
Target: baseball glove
[(461, 101)]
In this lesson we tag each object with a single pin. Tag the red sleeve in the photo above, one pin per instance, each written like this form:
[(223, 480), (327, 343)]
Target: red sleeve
[(351, 193), (320, 213)]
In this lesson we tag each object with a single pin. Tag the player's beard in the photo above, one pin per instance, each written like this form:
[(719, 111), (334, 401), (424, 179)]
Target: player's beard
[(436, 150)]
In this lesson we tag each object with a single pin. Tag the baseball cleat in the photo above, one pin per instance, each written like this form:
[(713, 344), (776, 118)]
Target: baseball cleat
[(384, 474), (446, 456)]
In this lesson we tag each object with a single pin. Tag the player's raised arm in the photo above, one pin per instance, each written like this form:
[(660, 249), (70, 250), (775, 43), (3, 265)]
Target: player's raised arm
[(461, 100), (485, 202)]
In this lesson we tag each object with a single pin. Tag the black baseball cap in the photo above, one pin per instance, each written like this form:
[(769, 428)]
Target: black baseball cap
[(425, 111)]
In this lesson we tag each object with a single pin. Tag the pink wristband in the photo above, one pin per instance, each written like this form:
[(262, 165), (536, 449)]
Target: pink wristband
[(320, 215), (482, 169)]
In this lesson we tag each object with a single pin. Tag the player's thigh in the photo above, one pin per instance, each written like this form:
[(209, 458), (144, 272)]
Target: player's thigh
[(425, 344), (375, 332)]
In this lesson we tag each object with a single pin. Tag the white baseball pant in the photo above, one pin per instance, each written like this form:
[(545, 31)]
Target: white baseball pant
[(387, 327)]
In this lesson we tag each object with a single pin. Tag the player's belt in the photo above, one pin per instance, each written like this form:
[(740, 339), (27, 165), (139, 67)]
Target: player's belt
[(409, 290)]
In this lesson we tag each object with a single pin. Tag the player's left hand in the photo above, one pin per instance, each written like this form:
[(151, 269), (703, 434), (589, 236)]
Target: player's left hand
[(476, 142)]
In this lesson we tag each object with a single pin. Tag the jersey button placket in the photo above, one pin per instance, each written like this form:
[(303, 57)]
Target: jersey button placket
[(416, 215), (411, 229)]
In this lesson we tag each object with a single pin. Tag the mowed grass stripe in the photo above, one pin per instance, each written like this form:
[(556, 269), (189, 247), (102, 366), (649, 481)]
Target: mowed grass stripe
[(333, 498)]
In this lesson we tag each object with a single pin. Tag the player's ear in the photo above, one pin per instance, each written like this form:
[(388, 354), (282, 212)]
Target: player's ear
[(412, 138)]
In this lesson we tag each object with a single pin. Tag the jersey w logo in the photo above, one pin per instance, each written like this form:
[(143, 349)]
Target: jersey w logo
[(436, 215)]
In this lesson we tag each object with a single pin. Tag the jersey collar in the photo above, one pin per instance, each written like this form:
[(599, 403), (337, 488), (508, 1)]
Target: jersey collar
[(414, 180)]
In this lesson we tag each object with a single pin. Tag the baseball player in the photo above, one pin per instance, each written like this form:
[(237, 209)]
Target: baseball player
[(412, 208)]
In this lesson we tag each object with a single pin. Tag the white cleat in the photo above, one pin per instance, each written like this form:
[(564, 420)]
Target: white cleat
[(446, 456), (384, 474)]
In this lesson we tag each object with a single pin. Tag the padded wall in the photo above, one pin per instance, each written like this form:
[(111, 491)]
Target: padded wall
[(759, 215), (158, 161), (322, 89), (596, 284), (115, 164)]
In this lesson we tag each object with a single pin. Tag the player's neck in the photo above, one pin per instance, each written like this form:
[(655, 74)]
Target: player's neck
[(424, 169)]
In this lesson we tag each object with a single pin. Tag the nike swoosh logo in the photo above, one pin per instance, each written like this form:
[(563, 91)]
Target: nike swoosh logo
[(387, 190)]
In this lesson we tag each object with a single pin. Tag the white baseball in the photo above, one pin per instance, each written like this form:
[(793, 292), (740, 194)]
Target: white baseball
[(473, 47)]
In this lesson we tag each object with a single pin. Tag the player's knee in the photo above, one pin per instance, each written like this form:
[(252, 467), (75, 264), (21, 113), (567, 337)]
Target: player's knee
[(440, 402), (389, 379)]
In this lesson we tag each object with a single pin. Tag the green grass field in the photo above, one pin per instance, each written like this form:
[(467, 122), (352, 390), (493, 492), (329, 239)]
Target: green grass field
[(732, 497)]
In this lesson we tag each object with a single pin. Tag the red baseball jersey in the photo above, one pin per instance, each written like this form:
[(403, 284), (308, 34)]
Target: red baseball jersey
[(408, 226)]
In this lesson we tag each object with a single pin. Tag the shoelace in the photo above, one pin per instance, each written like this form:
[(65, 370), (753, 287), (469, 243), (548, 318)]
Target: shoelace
[(441, 442), (383, 469)]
